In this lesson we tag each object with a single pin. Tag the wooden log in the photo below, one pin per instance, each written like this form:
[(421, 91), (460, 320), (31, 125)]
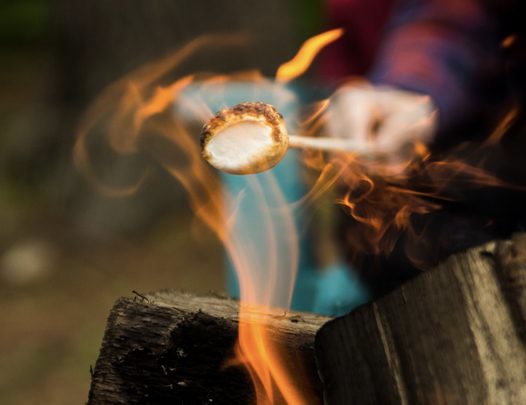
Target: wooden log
[(454, 335), (174, 348)]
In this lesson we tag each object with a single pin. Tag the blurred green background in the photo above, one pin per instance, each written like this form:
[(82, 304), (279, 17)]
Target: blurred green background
[(66, 253)]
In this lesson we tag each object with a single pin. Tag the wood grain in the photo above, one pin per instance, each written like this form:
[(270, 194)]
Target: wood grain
[(454, 335), (174, 348)]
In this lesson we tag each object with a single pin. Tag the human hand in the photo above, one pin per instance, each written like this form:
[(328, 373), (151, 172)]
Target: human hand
[(388, 121)]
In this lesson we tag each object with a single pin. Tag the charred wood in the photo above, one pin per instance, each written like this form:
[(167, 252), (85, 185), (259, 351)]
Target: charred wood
[(175, 348)]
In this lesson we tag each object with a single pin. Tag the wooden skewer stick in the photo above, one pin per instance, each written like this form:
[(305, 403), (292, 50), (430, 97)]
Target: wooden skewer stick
[(327, 144)]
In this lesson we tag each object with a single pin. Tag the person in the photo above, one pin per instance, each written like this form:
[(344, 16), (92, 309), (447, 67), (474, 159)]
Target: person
[(444, 72), (437, 55)]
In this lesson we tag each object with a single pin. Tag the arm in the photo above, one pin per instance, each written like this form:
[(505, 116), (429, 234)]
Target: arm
[(447, 49)]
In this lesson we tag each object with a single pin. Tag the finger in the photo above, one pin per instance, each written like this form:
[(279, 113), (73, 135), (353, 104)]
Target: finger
[(353, 114), (399, 133)]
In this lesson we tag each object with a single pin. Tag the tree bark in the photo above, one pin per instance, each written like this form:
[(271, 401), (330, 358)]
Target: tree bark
[(454, 335), (174, 348)]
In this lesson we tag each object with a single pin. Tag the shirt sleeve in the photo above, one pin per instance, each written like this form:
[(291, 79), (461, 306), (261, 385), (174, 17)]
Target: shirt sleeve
[(447, 49)]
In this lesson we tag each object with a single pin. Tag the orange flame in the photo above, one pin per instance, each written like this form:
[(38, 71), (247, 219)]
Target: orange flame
[(503, 127), (134, 116), (384, 198), (509, 41), (308, 51)]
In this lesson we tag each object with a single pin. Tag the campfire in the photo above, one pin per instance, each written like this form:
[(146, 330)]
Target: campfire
[(135, 115)]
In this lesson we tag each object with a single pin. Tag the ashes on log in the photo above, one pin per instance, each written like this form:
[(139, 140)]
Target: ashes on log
[(454, 335), (174, 348)]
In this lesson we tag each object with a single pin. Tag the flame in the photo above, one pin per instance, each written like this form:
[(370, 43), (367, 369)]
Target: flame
[(509, 41), (134, 116), (385, 198), (308, 51), (503, 127)]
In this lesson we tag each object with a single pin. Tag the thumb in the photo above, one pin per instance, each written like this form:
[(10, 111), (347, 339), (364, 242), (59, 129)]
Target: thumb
[(352, 114)]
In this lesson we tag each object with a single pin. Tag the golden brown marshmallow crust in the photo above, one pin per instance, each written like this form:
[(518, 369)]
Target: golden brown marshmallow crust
[(261, 113)]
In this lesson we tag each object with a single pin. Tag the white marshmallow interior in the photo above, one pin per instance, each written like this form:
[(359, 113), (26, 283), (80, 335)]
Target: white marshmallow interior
[(240, 145)]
